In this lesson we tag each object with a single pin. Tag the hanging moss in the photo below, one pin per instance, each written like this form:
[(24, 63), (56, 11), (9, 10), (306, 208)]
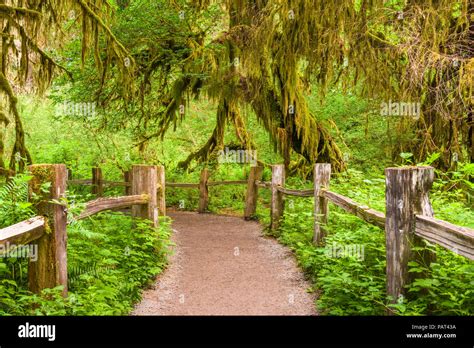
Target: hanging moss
[(32, 23), (397, 50)]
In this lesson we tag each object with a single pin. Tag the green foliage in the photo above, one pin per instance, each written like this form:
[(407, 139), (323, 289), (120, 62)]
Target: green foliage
[(407, 157), (360, 130), (110, 260), (457, 183), (447, 290), (430, 159), (248, 71), (14, 201), (348, 285)]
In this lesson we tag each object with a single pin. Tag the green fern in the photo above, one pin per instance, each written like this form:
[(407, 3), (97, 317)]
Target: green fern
[(77, 272), (14, 203), (16, 189)]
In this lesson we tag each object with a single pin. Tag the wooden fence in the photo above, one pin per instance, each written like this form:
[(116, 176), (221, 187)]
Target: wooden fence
[(49, 229), (408, 219)]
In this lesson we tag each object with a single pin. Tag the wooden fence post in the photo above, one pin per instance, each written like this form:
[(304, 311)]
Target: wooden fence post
[(406, 195), (277, 204), (322, 176), (203, 191), (50, 268), (161, 190), (252, 191), (97, 182), (144, 181), (127, 177)]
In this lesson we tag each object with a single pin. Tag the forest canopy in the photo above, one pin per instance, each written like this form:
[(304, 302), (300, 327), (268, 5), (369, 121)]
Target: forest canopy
[(142, 62)]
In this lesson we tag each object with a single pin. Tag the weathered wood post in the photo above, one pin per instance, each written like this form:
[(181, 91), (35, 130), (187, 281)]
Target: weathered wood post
[(97, 182), (50, 268), (277, 204), (161, 190), (69, 173), (144, 181), (203, 191), (127, 178), (406, 193), (252, 191), (322, 176)]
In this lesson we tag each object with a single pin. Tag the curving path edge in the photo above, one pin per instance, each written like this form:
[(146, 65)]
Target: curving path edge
[(222, 265)]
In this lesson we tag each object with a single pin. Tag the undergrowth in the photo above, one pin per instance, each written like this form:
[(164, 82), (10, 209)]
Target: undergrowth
[(111, 258), (353, 283)]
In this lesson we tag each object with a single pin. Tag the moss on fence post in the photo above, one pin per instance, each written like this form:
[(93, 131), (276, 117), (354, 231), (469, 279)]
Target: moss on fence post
[(50, 268)]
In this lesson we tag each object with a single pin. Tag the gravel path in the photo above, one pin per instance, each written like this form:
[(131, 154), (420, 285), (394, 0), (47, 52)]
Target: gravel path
[(224, 266)]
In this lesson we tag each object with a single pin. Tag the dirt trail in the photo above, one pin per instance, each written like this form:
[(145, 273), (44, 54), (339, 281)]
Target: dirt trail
[(224, 266)]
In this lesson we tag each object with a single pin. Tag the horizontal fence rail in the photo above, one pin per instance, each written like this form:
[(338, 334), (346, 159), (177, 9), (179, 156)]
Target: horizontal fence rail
[(182, 185), (80, 182), (361, 211), (104, 183), (229, 182), (22, 233), (102, 204), (455, 238), (294, 192), (117, 183), (210, 183), (263, 184)]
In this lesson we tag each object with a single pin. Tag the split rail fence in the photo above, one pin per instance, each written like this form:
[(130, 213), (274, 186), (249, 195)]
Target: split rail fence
[(408, 219)]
